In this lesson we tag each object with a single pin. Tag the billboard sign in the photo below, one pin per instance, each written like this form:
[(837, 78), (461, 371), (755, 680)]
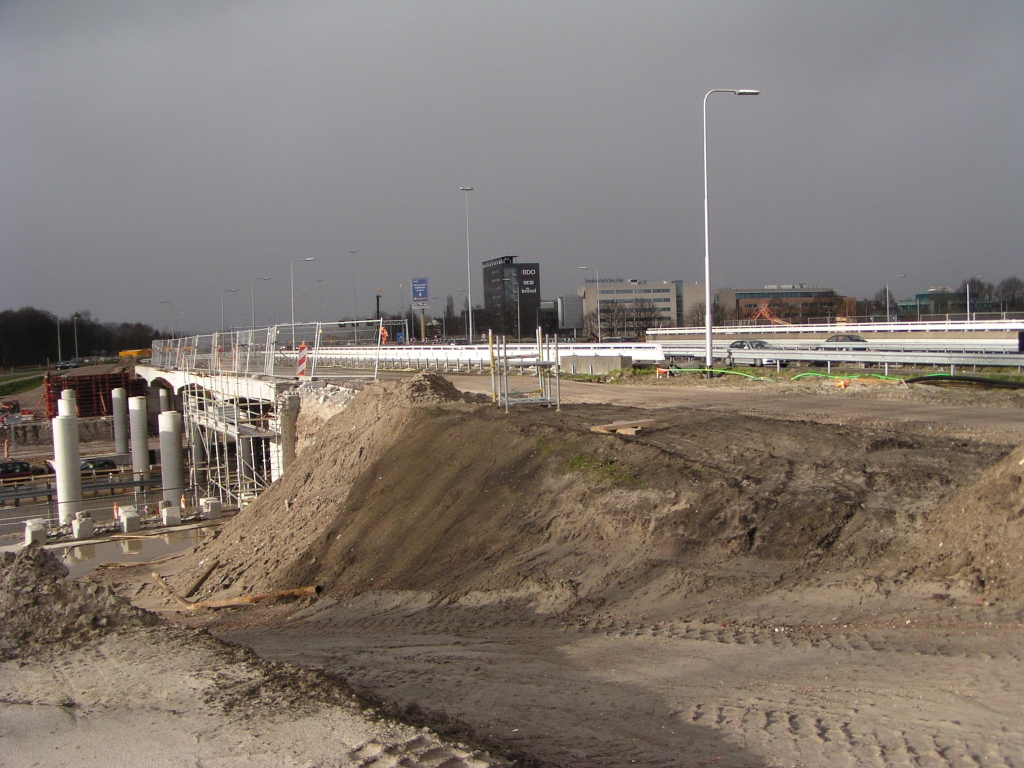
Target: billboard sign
[(419, 292)]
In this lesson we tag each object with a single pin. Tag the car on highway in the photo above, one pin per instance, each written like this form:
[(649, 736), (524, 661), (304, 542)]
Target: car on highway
[(757, 345), (850, 342), (94, 465), (14, 470)]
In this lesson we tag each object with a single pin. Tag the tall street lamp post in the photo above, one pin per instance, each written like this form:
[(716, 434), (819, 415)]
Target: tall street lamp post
[(74, 319), (292, 269), (707, 252), (226, 290), (172, 320), (254, 298), (598, 273), (896, 277), (469, 269), (355, 315)]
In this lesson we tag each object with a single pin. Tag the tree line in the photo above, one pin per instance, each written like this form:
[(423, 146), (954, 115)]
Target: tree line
[(29, 336)]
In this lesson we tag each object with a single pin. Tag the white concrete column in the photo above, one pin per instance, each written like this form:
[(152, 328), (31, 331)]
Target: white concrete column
[(68, 465), (67, 405), (165, 400), (171, 462), (140, 436), (119, 401)]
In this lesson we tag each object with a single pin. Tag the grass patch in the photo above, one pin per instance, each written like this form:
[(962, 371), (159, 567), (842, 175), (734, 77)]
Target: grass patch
[(544, 446), (17, 387), (599, 470)]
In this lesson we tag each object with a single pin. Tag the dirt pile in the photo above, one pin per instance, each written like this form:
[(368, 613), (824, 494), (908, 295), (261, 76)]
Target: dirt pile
[(39, 608), (976, 538), (409, 490), (259, 547)]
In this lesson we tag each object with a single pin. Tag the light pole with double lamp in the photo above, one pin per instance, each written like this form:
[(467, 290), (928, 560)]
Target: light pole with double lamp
[(254, 298), (469, 269), (292, 268), (709, 358), (598, 273), (895, 277)]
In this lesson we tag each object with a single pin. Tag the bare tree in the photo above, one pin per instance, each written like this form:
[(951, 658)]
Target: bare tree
[(1010, 293), (720, 315), (980, 292), (644, 315)]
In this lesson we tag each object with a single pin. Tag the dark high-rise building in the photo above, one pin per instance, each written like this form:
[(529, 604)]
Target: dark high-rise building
[(512, 296)]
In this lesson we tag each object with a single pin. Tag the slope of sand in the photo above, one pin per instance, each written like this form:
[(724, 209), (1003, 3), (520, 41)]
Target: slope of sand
[(87, 680)]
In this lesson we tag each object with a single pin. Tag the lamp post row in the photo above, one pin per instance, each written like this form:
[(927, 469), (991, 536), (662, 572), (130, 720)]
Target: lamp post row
[(469, 265)]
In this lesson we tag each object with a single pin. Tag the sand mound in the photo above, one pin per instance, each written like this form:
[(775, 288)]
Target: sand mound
[(39, 608), (408, 490), (976, 538), (259, 547)]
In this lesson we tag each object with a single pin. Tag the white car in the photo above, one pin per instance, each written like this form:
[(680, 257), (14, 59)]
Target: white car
[(755, 346)]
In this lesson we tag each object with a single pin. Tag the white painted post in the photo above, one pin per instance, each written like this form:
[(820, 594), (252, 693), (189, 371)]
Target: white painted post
[(139, 435), (171, 463), (67, 463), (119, 400)]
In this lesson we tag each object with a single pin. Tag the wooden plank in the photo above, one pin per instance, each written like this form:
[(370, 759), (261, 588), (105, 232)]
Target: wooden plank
[(622, 426)]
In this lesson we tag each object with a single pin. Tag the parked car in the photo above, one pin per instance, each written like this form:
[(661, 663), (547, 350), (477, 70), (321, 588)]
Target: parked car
[(757, 345), (850, 342), (14, 470)]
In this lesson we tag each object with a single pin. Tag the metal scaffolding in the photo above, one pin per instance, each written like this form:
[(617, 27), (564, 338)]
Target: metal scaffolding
[(234, 444), (543, 359)]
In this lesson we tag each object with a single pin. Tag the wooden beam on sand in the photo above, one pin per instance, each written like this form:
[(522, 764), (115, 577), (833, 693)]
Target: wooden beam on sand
[(233, 601), (623, 427)]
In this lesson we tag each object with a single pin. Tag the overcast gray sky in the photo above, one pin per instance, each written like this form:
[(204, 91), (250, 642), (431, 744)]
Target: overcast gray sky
[(168, 151)]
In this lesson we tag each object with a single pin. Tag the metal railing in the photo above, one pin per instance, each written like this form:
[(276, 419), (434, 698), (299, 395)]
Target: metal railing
[(101, 507)]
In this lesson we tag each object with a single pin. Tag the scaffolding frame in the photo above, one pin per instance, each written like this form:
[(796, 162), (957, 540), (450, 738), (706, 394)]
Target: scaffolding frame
[(545, 362), (233, 443)]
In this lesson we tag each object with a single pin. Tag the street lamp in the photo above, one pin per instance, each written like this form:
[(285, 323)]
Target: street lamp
[(74, 319), (292, 269), (598, 273), (172, 324), (469, 269), (896, 277), (254, 298), (707, 251), (355, 315), (226, 290)]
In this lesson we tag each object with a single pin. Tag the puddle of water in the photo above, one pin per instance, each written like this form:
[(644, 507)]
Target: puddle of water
[(83, 558)]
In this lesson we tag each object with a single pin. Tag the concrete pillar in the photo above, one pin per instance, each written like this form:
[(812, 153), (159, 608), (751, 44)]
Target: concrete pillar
[(171, 464), (67, 405), (165, 400), (288, 415), (140, 436), (199, 457), (68, 465), (244, 446), (119, 400)]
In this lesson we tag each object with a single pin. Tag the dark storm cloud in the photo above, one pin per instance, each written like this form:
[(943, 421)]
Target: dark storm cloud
[(170, 151)]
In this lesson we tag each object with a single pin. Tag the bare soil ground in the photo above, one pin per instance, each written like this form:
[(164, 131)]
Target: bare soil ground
[(773, 574)]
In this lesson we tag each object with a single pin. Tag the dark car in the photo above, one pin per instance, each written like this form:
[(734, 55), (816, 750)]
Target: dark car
[(94, 465), (847, 341), (14, 470), (756, 345)]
